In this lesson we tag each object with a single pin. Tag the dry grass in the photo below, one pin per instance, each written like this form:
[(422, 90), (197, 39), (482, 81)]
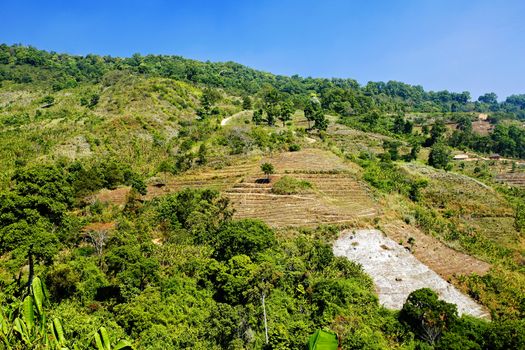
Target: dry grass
[(444, 260), (338, 197)]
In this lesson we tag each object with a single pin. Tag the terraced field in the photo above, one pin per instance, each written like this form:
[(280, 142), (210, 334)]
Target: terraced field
[(513, 179), (442, 259), (336, 198)]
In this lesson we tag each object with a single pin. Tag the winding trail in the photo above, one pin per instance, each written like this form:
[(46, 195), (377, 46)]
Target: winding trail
[(226, 120)]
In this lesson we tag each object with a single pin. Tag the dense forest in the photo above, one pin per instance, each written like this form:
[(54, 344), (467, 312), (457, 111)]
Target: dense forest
[(180, 270)]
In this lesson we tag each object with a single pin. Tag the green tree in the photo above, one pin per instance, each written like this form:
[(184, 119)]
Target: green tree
[(286, 111), (392, 147), (399, 124), (489, 98), (439, 156), (247, 237), (246, 102), (202, 154), (414, 151), (47, 101), (267, 169), (257, 117), (271, 104), (519, 217), (371, 119), (427, 316), (437, 132), (32, 213), (320, 121), (311, 109)]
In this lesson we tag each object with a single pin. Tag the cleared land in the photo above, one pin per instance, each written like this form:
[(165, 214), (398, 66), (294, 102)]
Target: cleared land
[(444, 260), (513, 179), (337, 197), (396, 272)]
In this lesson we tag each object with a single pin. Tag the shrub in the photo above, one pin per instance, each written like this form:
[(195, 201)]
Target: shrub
[(290, 185), (247, 237), (294, 147)]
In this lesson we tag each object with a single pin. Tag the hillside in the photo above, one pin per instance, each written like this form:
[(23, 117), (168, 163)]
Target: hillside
[(172, 203)]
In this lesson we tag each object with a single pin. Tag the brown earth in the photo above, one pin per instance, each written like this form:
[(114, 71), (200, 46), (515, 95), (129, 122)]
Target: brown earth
[(482, 127), (444, 260), (337, 197), (514, 179)]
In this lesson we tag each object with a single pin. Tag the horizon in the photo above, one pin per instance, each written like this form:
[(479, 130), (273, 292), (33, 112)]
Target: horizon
[(476, 47)]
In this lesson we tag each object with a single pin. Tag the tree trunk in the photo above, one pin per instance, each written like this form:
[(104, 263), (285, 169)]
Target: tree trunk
[(265, 320)]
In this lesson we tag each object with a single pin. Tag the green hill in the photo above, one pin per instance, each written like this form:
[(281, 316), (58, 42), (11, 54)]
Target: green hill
[(133, 189)]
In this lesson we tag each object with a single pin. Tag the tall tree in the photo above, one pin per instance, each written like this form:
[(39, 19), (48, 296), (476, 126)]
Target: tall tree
[(311, 109), (286, 110)]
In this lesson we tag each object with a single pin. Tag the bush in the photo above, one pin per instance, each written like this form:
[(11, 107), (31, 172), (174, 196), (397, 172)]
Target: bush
[(294, 147), (247, 237), (290, 185)]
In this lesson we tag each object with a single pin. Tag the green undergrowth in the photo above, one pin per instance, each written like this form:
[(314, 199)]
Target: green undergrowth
[(290, 185)]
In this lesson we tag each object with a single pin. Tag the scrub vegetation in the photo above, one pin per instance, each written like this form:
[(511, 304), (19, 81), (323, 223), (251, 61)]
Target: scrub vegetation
[(131, 216)]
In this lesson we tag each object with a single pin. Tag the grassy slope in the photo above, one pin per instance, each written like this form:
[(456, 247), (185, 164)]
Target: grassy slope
[(137, 120)]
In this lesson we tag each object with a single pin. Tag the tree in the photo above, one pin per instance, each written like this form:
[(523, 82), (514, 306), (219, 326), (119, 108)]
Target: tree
[(371, 119), (198, 212), (489, 98), (208, 99), (246, 102), (437, 132), (202, 154), (408, 127), (47, 101), (32, 214), (312, 107), (257, 117), (320, 121), (439, 156), (465, 124), (399, 124), (427, 316), (392, 147), (271, 99), (286, 111), (247, 237), (267, 169), (414, 151)]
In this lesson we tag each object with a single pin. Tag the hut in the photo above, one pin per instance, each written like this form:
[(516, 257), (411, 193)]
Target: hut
[(461, 157)]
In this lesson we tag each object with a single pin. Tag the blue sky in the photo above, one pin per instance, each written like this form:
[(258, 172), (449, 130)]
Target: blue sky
[(472, 45)]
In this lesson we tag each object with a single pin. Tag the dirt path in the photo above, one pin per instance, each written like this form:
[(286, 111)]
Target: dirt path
[(396, 272), (226, 120)]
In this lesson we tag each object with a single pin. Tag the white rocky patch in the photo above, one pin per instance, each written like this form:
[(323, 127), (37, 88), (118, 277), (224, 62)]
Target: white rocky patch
[(396, 272)]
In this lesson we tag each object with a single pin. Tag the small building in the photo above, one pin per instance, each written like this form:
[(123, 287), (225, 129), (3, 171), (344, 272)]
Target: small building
[(495, 156), (461, 157)]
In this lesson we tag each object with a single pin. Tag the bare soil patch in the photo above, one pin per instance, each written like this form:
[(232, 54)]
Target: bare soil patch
[(396, 272), (444, 260)]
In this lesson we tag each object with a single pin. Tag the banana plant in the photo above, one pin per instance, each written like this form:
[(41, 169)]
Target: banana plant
[(27, 327), (102, 341)]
